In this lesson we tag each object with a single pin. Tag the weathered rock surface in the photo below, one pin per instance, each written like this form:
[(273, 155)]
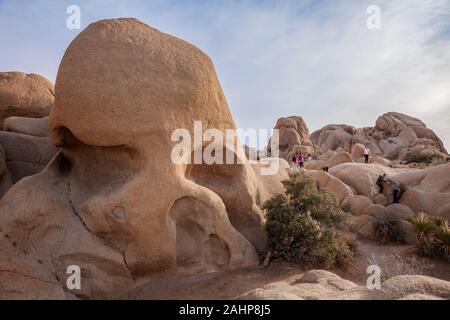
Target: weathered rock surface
[(6, 180), (393, 136), (422, 190), (24, 99), (37, 127), (334, 137), (329, 159), (26, 155), (363, 177), (293, 137), (324, 285), (112, 201), (333, 185), (25, 95), (358, 204)]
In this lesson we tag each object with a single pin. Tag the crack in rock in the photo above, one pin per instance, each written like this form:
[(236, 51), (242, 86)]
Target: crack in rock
[(107, 243)]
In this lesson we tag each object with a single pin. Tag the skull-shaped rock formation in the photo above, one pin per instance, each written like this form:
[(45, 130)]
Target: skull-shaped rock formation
[(112, 201)]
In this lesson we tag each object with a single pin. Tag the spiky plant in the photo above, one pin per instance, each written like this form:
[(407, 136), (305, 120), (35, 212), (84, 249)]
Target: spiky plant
[(442, 243), (439, 221), (425, 228)]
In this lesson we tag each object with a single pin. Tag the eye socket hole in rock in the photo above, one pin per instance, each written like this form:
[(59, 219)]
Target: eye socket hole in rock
[(96, 170), (195, 248), (224, 179), (233, 184)]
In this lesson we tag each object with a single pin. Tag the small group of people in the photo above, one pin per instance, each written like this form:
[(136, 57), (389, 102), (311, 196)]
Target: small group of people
[(298, 160), (382, 179), (325, 169)]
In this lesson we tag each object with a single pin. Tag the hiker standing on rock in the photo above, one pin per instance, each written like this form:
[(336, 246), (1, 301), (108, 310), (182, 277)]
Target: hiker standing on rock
[(380, 182), (301, 160), (395, 191), (294, 161), (366, 154)]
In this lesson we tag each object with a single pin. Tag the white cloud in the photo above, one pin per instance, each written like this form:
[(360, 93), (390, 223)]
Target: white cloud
[(315, 59)]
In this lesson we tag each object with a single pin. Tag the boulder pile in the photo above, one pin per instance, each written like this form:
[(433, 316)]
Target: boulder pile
[(393, 136)]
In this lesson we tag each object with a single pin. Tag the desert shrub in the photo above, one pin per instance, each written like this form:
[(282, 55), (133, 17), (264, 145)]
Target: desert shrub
[(433, 236), (303, 225), (439, 160), (417, 157), (425, 228), (439, 221), (386, 232), (442, 243)]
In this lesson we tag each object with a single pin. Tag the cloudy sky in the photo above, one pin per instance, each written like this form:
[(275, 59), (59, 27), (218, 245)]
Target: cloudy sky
[(312, 58)]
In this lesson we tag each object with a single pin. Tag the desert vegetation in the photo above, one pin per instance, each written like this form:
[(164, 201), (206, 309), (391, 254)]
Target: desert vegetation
[(433, 235), (304, 225), (417, 157)]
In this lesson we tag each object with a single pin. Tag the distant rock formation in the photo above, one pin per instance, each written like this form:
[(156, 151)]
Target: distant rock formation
[(293, 137), (393, 136), (334, 137)]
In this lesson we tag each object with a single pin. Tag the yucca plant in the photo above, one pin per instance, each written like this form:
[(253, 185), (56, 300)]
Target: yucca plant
[(439, 221), (425, 228), (442, 243)]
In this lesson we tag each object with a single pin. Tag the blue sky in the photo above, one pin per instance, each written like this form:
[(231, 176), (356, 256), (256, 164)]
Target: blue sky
[(315, 59)]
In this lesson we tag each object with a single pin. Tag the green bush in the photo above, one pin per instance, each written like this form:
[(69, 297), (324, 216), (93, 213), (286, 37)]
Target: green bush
[(433, 236), (417, 157), (303, 225)]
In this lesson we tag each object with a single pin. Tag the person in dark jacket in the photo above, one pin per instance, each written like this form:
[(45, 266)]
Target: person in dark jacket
[(395, 191), (380, 182)]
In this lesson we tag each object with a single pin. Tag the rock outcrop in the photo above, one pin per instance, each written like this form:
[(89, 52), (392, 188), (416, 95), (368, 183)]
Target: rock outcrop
[(340, 190), (37, 127), (333, 137), (112, 200), (328, 160), (25, 103), (293, 137), (26, 155), (324, 285), (422, 190), (393, 137), (25, 95)]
